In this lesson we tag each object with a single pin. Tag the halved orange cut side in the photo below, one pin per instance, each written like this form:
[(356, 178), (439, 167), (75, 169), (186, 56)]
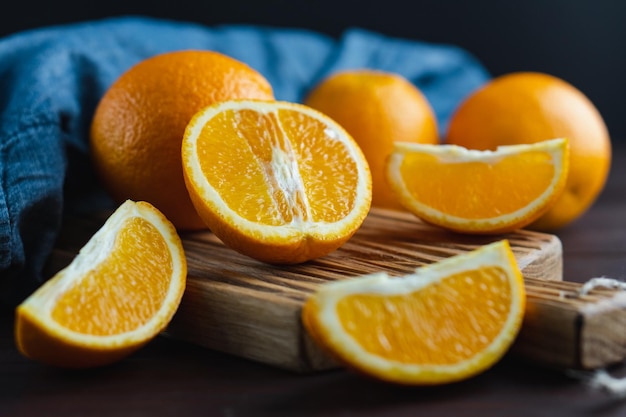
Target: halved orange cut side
[(446, 322), (277, 181), (117, 294), (479, 191)]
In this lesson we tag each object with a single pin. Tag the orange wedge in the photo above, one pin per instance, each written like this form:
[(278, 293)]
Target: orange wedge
[(121, 290), (446, 322), (276, 181), (479, 191)]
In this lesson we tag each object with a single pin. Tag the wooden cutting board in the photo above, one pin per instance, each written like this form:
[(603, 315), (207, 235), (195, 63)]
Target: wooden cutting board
[(243, 307)]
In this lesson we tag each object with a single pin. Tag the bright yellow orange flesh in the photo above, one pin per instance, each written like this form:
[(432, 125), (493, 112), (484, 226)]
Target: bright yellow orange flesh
[(445, 323), (432, 327), (141, 264), (479, 192), (276, 181), (117, 294)]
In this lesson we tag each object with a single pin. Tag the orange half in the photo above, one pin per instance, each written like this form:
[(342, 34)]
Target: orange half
[(277, 181), (479, 191)]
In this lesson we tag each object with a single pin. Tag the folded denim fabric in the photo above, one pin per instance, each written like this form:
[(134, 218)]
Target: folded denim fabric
[(52, 78)]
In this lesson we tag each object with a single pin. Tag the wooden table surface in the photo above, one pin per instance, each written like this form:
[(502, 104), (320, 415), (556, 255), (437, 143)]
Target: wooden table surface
[(172, 378)]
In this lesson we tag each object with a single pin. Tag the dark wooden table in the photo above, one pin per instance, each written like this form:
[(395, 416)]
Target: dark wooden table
[(172, 378)]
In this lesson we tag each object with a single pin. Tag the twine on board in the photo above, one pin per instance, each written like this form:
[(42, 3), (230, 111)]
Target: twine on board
[(603, 282), (600, 379)]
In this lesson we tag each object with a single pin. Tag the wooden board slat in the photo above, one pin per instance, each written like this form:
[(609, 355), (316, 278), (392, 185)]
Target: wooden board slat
[(240, 306), (563, 329)]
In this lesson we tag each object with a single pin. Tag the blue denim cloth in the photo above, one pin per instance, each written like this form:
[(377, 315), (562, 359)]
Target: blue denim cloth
[(52, 78)]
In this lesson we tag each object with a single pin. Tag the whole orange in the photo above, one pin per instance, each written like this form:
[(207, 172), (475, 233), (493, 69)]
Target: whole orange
[(138, 126), (527, 107), (377, 109)]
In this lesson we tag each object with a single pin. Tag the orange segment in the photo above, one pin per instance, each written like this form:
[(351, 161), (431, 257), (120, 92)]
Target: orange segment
[(446, 322), (116, 295), (529, 107), (277, 181), (479, 191)]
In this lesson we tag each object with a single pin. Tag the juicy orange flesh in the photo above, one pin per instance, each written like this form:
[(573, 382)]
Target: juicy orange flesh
[(278, 168), (441, 324), (125, 290), (477, 190)]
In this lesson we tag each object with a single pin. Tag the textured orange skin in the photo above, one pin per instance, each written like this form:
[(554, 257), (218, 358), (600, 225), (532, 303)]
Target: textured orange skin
[(529, 107), (377, 109), (138, 126)]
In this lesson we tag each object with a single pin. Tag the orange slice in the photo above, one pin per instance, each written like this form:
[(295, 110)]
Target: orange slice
[(446, 322), (276, 181), (479, 191), (121, 290)]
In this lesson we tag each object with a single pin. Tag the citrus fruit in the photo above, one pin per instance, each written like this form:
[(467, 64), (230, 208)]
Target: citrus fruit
[(276, 181), (117, 294), (138, 126), (446, 322), (479, 191), (377, 108), (529, 107)]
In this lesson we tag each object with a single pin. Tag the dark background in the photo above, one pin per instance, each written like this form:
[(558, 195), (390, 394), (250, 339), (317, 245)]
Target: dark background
[(581, 41)]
